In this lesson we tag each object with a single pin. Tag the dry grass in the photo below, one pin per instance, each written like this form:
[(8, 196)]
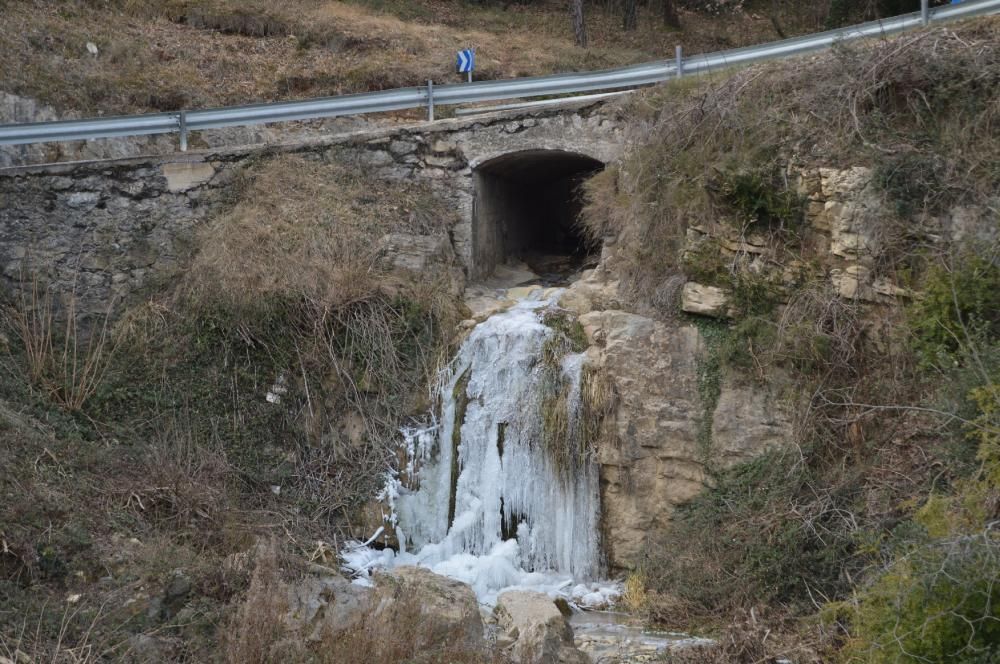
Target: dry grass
[(63, 358), (573, 432), (257, 628), (747, 639), (305, 230), (28, 645), (302, 252), (171, 464)]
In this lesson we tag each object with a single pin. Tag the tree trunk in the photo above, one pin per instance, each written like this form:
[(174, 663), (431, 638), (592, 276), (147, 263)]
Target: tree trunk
[(670, 17), (579, 27), (631, 17)]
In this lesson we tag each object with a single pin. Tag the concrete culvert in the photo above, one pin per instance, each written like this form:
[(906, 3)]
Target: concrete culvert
[(526, 208)]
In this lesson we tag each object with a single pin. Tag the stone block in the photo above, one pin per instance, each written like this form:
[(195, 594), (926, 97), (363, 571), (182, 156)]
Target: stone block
[(705, 300), (182, 176)]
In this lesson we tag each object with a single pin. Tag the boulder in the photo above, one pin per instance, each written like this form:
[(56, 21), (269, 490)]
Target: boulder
[(539, 630), (594, 290), (322, 604), (447, 610)]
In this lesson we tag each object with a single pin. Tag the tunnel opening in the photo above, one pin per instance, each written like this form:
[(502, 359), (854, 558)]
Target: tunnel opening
[(526, 208)]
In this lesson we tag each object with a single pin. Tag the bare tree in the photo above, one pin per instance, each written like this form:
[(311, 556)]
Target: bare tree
[(670, 17), (579, 26), (631, 17)]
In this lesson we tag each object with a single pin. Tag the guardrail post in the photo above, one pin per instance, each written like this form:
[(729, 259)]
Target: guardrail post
[(430, 100), (679, 55), (925, 11), (182, 121)]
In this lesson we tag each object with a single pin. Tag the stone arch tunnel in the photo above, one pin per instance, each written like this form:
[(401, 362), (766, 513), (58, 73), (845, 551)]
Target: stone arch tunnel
[(526, 206)]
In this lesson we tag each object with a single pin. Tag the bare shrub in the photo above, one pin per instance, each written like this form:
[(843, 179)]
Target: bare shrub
[(743, 641), (185, 483), (937, 603), (64, 360), (74, 641)]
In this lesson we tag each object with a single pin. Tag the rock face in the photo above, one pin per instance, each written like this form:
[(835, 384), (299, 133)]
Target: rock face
[(448, 609), (655, 463), (538, 629), (746, 422), (664, 438)]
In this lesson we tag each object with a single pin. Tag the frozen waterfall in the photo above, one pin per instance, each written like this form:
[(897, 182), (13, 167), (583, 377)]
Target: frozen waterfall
[(481, 498)]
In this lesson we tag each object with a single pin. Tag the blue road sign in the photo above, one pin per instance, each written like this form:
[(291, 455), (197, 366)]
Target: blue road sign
[(466, 60)]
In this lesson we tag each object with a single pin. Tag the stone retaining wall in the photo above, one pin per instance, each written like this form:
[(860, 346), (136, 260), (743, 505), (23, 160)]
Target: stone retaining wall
[(107, 230)]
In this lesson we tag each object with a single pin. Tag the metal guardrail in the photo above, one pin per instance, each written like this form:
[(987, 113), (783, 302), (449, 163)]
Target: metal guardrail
[(464, 93)]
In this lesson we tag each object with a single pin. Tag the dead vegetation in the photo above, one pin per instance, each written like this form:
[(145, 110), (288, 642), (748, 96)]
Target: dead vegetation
[(576, 420), (717, 151), (309, 231), (258, 397), (256, 631), (65, 358)]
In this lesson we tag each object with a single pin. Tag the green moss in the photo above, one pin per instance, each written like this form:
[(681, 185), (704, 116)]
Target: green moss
[(705, 264), (716, 335), (741, 349), (460, 396), (568, 331)]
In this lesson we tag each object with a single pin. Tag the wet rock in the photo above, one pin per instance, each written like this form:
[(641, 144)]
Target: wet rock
[(540, 631)]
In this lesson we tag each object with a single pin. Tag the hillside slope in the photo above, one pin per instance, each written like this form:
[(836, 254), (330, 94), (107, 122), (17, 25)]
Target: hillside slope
[(159, 56), (839, 224)]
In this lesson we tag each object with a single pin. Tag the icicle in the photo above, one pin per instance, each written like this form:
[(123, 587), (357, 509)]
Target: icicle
[(481, 500)]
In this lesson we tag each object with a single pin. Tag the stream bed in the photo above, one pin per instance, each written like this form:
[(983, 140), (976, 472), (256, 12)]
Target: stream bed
[(610, 637)]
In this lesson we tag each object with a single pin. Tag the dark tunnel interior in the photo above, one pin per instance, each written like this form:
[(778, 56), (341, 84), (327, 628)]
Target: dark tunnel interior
[(526, 208)]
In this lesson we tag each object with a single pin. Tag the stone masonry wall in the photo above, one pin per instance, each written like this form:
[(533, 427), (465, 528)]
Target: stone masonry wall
[(107, 230)]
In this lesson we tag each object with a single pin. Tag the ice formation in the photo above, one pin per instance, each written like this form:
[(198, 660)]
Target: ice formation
[(483, 503)]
